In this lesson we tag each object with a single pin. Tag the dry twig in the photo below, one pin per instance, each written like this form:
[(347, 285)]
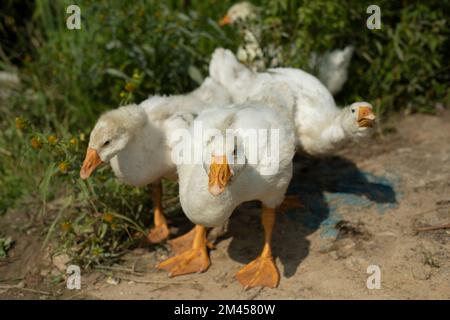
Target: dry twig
[(19, 287), (120, 269), (153, 281), (433, 228)]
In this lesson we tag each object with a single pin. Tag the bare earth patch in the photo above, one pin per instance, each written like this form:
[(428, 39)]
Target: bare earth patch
[(361, 207)]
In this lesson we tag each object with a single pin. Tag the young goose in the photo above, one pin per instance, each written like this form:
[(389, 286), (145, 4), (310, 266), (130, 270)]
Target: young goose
[(321, 127), (133, 139), (230, 173), (245, 16), (330, 67)]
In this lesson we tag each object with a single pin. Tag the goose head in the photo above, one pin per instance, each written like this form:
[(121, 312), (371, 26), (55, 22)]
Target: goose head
[(111, 135), (358, 119), (223, 167), (239, 12)]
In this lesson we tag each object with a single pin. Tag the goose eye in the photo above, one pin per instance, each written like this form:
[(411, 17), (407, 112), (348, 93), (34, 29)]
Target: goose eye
[(106, 143), (353, 110)]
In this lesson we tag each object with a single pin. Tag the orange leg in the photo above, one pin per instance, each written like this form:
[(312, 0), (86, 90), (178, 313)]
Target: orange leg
[(160, 231), (193, 260), (262, 271), (184, 242)]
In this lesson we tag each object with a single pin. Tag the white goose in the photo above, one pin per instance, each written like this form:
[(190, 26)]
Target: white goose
[(330, 67), (230, 174), (133, 139), (321, 127), (245, 16)]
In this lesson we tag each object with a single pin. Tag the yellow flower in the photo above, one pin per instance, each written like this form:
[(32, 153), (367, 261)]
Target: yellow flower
[(20, 123), (73, 141), (52, 139), (96, 252), (63, 167), (9, 21), (123, 94), (36, 143), (65, 226), (108, 217), (130, 87), (136, 76), (82, 137)]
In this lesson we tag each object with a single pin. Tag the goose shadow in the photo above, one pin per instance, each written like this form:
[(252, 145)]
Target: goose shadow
[(323, 186)]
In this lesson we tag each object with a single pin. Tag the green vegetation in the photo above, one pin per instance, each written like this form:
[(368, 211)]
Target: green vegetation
[(126, 52), (5, 245)]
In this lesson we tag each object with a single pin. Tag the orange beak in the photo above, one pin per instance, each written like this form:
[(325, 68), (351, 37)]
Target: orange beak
[(225, 20), (91, 161), (219, 175), (366, 117)]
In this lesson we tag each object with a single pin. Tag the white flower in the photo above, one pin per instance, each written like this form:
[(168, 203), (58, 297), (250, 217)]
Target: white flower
[(242, 54), (249, 37), (253, 50)]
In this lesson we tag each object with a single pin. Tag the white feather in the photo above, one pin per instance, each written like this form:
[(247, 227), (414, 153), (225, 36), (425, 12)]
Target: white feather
[(321, 127), (144, 154), (251, 183), (333, 68)]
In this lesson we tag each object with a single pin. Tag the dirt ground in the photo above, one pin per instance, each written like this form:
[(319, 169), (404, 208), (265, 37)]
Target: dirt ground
[(361, 208)]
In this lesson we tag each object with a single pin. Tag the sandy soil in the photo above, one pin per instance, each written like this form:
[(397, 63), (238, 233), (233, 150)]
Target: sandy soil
[(361, 208)]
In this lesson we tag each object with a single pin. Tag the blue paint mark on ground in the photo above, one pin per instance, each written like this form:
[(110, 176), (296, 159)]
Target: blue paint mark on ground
[(334, 186)]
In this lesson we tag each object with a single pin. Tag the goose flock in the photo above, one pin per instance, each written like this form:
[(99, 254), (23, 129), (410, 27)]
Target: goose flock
[(331, 67), (252, 123)]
